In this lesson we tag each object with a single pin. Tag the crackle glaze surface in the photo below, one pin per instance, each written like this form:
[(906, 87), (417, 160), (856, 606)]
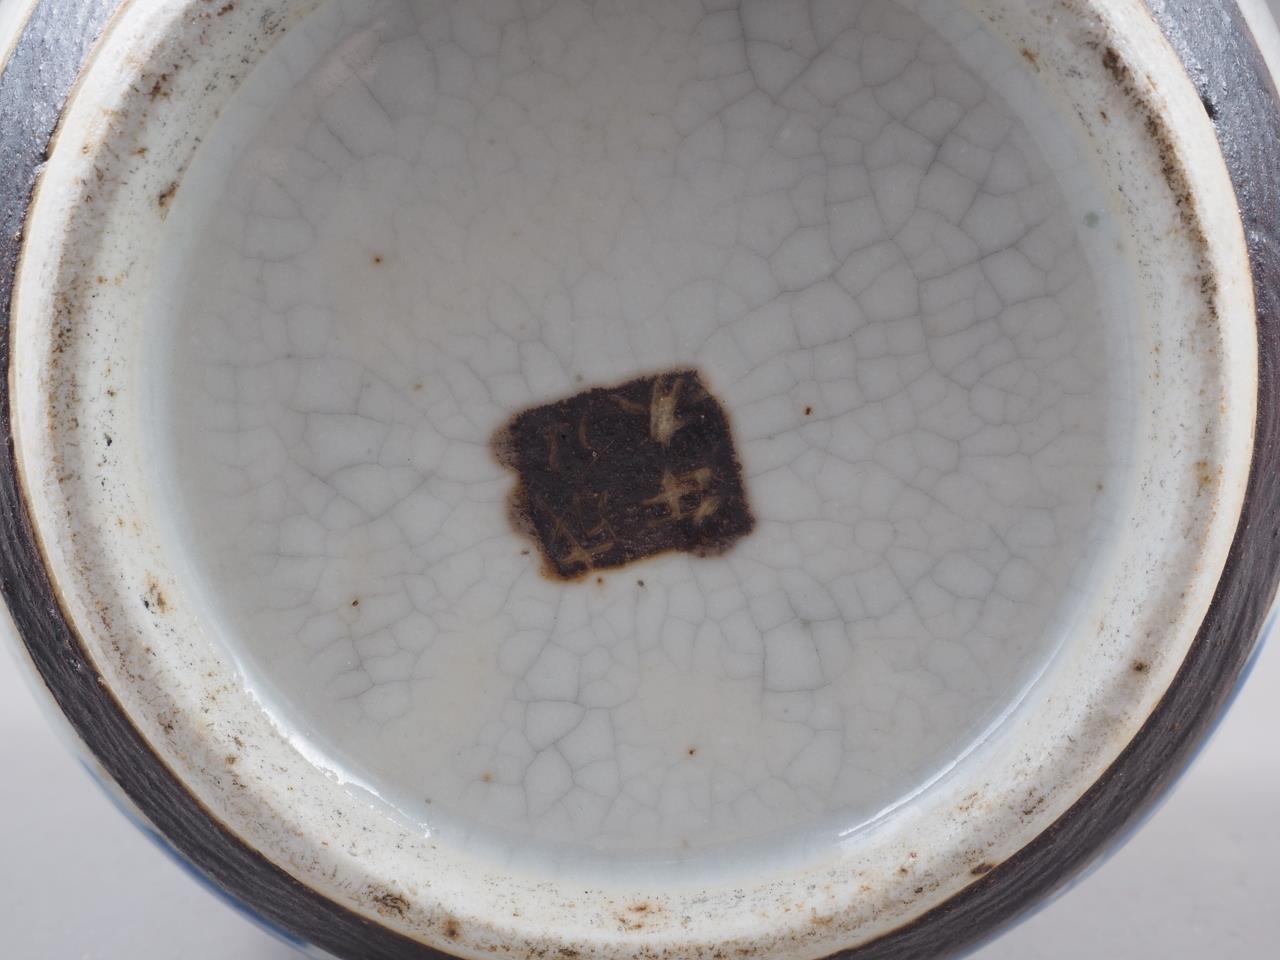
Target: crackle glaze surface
[(444, 212), (290, 567)]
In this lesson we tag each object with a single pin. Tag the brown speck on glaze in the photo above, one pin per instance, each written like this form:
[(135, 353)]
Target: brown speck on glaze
[(982, 868), (387, 903), (451, 928), (160, 88), (1140, 666), (616, 474), (154, 599), (1206, 476), (166, 195), (1029, 55)]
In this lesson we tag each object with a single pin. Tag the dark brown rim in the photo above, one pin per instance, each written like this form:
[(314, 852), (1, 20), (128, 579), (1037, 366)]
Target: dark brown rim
[(1222, 59)]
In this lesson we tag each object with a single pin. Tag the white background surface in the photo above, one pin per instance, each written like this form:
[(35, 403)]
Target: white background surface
[(79, 882)]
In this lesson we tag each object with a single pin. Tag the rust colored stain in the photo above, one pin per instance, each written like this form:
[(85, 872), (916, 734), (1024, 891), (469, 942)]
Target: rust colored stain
[(388, 904), (154, 599), (616, 474), (166, 195)]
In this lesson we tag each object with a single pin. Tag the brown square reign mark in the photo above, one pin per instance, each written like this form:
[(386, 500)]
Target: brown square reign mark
[(615, 474)]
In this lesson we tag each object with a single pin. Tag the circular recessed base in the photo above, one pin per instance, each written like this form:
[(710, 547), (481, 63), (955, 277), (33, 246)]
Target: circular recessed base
[(413, 222)]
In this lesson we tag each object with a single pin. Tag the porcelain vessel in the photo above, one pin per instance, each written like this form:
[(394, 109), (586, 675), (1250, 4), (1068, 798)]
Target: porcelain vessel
[(691, 478)]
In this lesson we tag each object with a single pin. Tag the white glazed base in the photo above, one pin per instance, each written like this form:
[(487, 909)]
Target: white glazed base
[(397, 243), (264, 749)]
